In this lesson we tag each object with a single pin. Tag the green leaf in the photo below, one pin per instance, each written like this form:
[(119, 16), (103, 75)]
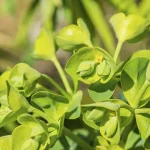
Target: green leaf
[(16, 100), (141, 53), (102, 141), (73, 36), (12, 116), (92, 116), (125, 26), (6, 142), (102, 91), (53, 105), (39, 126), (3, 78), (115, 147), (44, 46), (74, 107), (23, 76), (80, 65), (146, 143), (134, 82), (110, 128), (20, 135), (132, 139), (143, 122), (4, 110), (83, 26)]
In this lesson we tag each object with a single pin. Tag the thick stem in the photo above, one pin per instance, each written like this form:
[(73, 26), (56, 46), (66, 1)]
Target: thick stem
[(117, 52), (62, 75), (78, 140), (140, 94), (51, 81)]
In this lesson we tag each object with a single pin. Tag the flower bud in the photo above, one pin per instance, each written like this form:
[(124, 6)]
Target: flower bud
[(95, 114), (111, 127), (70, 37), (85, 68), (103, 68)]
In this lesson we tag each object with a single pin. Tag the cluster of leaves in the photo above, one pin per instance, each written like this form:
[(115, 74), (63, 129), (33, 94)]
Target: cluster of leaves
[(41, 112)]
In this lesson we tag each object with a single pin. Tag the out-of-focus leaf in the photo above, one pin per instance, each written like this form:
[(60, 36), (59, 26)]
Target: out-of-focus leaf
[(125, 27), (6, 142), (141, 53), (127, 6), (3, 78), (44, 46), (93, 10), (72, 37)]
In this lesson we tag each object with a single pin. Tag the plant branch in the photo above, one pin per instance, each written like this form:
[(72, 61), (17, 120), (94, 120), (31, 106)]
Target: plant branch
[(117, 52), (78, 140), (62, 74)]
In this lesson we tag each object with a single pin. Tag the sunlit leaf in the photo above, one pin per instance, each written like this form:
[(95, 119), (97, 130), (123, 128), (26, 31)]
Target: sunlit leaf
[(125, 26), (53, 105), (6, 142), (74, 107), (133, 77), (23, 76), (44, 46)]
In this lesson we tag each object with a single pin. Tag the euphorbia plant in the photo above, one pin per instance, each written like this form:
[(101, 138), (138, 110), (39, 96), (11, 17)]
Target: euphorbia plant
[(114, 124)]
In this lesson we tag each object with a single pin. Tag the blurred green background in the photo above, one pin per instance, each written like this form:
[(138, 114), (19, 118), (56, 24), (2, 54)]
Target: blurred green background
[(21, 21)]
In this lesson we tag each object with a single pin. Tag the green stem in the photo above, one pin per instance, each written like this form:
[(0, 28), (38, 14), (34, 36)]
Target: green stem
[(78, 140), (140, 94), (38, 112), (62, 75), (117, 52), (142, 111), (50, 80)]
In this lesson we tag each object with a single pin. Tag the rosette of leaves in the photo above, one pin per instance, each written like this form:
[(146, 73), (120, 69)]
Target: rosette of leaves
[(129, 28), (73, 37), (135, 85), (109, 117), (90, 65)]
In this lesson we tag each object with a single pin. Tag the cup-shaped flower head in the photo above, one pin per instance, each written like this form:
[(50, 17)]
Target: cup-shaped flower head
[(90, 65)]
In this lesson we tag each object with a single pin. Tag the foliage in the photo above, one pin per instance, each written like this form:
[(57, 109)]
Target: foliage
[(112, 122)]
